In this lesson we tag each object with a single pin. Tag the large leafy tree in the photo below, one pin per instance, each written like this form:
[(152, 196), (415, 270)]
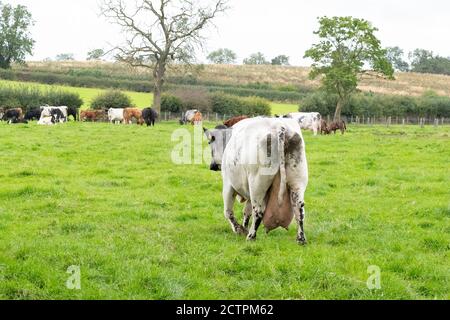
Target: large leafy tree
[(160, 32), (281, 60), (222, 56), (95, 54), (347, 47), (15, 39), (396, 56), (256, 59)]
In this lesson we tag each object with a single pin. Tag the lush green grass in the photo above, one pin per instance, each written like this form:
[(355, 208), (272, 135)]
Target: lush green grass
[(283, 108), (109, 199)]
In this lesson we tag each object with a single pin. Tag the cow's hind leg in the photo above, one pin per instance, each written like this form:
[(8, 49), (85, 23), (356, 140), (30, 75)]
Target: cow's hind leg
[(258, 215), (247, 214), (298, 204), (228, 199)]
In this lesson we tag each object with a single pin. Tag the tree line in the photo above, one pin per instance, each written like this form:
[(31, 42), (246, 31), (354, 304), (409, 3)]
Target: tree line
[(419, 60)]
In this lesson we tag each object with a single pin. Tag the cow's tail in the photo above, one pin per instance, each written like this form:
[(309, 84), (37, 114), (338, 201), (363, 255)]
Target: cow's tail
[(283, 181)]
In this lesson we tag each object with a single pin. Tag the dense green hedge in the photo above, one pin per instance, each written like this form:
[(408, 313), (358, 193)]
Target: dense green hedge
[(98, 79), (377, 105), (28, 97), (111, 99), (221, 103)]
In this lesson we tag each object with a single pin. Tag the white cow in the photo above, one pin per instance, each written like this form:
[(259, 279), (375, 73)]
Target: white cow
[(60, 114), (115, 115), (257, 151), (46, 121), (308, 121)]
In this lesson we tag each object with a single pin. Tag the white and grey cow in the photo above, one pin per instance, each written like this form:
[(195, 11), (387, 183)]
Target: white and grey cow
[(308, 121), (59, 114), (250, 156), (115, 115), (188, 116)]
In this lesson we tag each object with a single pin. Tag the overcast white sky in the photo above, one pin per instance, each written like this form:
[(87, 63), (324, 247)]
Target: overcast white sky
[(271, 26)]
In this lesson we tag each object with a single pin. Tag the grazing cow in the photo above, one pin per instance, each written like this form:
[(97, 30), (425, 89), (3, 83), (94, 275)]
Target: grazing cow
[(72, 111), (13, 114), (46, 121), (308, 121), (150, 116), (92, 115), (33, 114), (132, 113), (197, 119), (60, 113), (231, 122), (324, 127), (258, 150), (337, 125), (17, 121), (188, 116), (115, 115)]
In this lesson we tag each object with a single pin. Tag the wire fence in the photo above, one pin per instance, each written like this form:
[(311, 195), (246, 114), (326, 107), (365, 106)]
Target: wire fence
[(355, 120), (388, 121)]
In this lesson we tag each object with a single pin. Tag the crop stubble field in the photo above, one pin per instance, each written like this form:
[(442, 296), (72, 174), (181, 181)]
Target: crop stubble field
[(109, 200)]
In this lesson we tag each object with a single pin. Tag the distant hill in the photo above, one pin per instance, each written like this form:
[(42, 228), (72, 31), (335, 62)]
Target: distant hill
[(261, 77)]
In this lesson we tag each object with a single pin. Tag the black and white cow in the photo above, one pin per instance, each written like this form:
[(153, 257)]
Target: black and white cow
[(251, 156), (60, 114), (308, 121)]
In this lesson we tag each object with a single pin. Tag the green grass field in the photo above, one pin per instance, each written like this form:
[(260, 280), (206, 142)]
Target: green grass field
[(109, 200), (141, 100)]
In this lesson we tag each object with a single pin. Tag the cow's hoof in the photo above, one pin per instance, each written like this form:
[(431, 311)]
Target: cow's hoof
[(242, 231), (251, 237), (302, 241)]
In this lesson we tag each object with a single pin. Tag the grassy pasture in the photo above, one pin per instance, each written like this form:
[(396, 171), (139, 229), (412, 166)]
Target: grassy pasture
[(108, 199)]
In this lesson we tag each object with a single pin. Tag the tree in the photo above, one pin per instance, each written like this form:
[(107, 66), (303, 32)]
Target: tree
[(256, 58), (95, 54), (424, 61), (346, 46), (395, 56), (222, 56), (15, 38), (161, 32), (281, 60), (65, 57)]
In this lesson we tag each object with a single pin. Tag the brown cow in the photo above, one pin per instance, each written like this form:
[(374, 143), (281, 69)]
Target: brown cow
[(334, 126), (133, 113), (231, 122), (324, 127), (92, 115), (12, 114), (198, 119)]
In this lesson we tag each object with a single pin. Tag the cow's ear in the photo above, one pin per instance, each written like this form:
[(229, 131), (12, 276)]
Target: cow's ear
[(205, 130)]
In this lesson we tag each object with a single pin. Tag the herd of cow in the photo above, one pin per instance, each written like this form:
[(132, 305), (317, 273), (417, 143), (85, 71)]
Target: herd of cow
[(48, 115), (263, 159)]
